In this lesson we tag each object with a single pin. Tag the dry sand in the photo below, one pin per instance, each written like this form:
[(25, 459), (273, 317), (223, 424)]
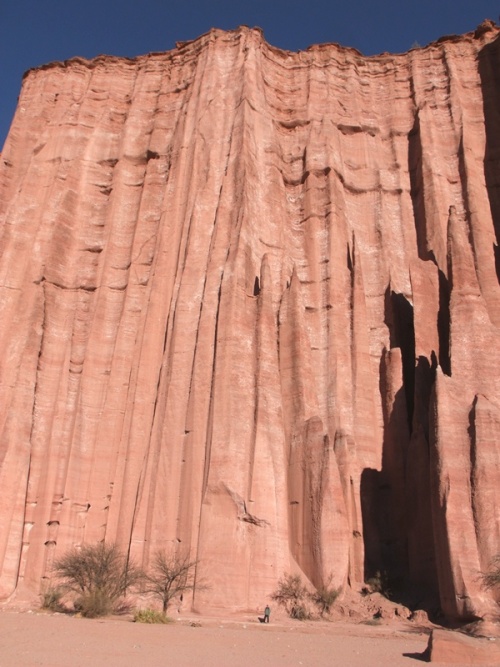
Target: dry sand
[(36, 638)]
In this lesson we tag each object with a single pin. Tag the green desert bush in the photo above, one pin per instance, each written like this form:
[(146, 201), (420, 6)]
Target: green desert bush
[(325, 596), (150, 616), (292, 595)]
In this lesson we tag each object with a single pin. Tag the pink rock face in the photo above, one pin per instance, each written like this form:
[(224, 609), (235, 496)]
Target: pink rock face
[(250, 308), (454, 648)]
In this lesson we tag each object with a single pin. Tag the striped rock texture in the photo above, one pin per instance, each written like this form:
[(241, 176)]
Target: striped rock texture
[(250, 310)]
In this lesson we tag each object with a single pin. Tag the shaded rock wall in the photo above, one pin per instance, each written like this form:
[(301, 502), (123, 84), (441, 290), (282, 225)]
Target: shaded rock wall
[(250, 309)]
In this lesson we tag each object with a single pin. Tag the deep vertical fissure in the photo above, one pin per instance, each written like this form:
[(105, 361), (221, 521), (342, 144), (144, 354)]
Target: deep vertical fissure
[(400, 320), (443, 323), (489, 72), (417, 189)]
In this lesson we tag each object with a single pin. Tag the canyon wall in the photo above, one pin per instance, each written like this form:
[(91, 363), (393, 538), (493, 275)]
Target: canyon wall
[(250, 310)]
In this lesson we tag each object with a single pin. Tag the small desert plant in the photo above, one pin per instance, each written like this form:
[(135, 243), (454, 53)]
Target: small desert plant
[(94, 604), (376, 620), (99, 575), (171, 576), (292, 595), (491, 579), (379, 583), (325, 596), (150, 616), (300, 613), (51, 599)]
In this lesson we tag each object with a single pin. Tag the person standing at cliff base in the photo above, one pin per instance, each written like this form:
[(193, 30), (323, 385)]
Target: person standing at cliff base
[(267, 614)]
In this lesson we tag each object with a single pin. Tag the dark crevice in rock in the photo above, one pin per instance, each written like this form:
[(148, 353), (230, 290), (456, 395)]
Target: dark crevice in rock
[(473, 456), (256, 286), (349, 259), (443, 323), (425, 375), (384, 534), (399, 320), (489, 72), (417, 189), (421, 546), (496, 253), (83, 288), (250, 518), (208, 449)]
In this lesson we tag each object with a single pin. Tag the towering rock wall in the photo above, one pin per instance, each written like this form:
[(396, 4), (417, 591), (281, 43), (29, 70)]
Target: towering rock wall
[(249, 310)]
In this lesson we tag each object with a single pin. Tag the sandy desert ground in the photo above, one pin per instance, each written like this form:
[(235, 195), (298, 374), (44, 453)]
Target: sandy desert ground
[(54, 640)]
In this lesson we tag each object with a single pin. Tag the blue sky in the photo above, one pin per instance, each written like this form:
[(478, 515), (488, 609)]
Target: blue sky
[(34, 32)]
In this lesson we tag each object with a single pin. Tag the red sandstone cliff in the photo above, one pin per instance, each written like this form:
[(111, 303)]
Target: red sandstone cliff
[(250, 306)]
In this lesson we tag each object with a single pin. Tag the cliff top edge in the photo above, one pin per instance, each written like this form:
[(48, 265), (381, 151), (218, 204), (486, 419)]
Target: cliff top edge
[(486, 31)]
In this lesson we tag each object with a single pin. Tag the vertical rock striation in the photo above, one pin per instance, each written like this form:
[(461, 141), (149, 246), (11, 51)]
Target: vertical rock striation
[(250, 308)]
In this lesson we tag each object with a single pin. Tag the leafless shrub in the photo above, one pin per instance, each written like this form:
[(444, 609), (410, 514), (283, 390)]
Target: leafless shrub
[(491, 579), (171, 576), (99, 575)]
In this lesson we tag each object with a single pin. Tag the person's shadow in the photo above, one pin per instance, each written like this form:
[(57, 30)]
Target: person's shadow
[(423, 657)]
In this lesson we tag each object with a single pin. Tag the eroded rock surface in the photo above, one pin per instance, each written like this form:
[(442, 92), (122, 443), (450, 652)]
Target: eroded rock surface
[(250, 307), (455, 648)]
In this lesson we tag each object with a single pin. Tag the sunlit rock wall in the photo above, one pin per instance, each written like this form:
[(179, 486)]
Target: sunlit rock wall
[(249, 309)]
